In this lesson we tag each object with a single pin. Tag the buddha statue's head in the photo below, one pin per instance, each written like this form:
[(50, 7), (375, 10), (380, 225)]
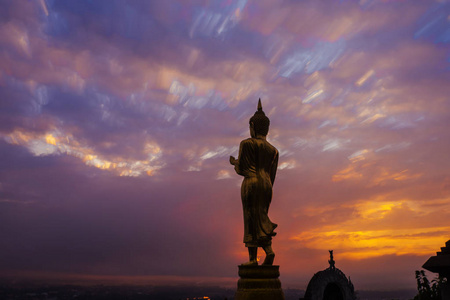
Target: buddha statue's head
[(259, 123)]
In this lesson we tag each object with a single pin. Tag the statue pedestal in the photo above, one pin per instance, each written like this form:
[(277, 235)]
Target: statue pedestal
[(259, 283)]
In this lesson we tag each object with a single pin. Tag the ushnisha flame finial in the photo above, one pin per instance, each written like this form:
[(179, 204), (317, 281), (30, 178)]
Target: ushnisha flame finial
[(259, 105)]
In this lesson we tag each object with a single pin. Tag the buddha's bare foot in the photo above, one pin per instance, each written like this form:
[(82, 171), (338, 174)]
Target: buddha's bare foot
[(268, 261), (250, 263)]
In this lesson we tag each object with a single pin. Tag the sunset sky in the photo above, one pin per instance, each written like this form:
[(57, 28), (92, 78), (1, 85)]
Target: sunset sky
[(117, 120)]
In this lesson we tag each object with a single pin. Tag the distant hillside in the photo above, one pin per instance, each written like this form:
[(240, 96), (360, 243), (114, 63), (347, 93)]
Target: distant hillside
[(386, 295), (130, 292)]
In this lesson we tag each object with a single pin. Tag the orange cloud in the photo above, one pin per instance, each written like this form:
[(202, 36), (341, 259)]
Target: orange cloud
[(362, 237), (55, 142)]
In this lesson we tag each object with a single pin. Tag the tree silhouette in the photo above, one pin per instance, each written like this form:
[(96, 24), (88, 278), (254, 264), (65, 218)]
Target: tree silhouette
[(428, 290)]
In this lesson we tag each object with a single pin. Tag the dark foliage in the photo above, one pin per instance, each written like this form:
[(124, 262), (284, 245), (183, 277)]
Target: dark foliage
[(428, 290)]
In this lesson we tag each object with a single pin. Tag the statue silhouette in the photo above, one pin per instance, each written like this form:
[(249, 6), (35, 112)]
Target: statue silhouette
[(257, 162)]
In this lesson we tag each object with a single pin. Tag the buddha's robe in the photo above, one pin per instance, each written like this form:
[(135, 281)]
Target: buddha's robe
[(257, 162)]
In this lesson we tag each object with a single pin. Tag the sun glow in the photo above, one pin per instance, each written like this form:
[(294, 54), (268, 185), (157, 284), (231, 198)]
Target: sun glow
[(376, 228), (374, 243)]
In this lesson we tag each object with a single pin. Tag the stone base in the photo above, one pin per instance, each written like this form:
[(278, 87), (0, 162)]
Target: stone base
[(259, 283)]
